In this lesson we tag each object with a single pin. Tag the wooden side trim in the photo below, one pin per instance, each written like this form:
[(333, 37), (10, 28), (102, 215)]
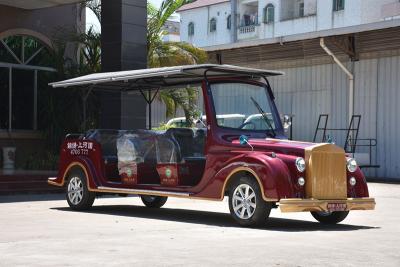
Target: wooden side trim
[(51, 181), (142, 192), (247, 169), (103, 189)]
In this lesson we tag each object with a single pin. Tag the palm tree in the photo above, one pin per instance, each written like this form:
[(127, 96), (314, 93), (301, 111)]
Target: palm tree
[(95, 6), (159, 53), (162, 54)]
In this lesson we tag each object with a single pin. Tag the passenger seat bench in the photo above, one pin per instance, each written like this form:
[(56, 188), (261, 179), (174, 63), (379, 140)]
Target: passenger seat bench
[(190, 154)]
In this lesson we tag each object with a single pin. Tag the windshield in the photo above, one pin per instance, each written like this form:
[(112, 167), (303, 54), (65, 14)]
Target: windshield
[(251, 103)]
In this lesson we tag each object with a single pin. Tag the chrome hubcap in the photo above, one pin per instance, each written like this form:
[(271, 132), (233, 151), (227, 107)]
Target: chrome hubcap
[(75, 190), (244, 201)]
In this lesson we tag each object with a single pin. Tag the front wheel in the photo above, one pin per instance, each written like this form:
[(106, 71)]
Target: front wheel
[(246, 204), (78, 195), (153, 201), (325, 217)]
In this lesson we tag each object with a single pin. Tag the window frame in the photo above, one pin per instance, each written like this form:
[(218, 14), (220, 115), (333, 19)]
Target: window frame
[(301, 9), (191, 29), (25, 63), (269, 17), (271, 102), (229, 22), (213, 25), (338, 5)]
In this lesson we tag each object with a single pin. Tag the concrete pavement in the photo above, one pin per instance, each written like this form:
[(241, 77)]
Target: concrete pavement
[(42, 231)]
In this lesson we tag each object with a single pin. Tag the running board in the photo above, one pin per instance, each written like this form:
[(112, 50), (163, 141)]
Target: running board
[(141, 192)]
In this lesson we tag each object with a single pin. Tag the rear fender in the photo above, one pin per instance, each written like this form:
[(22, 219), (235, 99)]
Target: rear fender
[(83, 164)]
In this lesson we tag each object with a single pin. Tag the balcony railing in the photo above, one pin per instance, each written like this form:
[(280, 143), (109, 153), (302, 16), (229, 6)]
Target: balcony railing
[(248, 32), (247, 29)]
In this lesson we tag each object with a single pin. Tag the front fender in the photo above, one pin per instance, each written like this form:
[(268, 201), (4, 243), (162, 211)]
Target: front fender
[(271, 173), (361, 187)]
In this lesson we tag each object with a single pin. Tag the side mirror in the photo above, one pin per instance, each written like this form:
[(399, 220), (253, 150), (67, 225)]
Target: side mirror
[(243, 140), (287, 122)]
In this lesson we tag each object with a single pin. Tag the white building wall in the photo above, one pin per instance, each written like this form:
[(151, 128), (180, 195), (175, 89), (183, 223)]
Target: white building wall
[(201, 18), (350, 16), (313, 90), (324, 14), (309, 91), (319, 15), (371, 10), (298, 25)]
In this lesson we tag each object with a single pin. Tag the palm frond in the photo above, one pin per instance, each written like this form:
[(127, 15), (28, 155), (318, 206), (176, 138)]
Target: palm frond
[(95, 6)]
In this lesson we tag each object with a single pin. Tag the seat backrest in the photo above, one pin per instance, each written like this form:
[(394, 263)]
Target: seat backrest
[(167, 150), (184, 138), (199, 143)]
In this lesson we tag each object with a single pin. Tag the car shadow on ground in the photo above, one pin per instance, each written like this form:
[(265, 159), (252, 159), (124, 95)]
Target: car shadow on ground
[(31, 197), (214, 218)]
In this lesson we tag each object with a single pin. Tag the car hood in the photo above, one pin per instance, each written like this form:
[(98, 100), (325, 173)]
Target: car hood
[(295, 148)]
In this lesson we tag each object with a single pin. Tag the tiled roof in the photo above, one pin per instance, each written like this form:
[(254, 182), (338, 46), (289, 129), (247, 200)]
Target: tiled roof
[(201, 3)]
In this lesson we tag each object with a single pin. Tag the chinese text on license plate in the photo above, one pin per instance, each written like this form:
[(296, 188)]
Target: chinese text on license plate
[(337, 206)]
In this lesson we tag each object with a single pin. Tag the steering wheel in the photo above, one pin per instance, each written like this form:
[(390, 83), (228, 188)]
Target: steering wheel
[(248, 123)]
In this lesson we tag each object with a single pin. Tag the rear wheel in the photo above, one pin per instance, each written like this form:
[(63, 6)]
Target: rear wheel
[(246, 204), (153, 201), (325, 217), (78, 195)]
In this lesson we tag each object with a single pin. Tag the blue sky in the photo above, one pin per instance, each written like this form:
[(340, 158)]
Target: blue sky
[(91, 19)]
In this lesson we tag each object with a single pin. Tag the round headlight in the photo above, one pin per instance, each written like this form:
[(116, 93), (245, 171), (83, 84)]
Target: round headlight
[(300, 164), (301, 181), (351, 165), (352, 181)]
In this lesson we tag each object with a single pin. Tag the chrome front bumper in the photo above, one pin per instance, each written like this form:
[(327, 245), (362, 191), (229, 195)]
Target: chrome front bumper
[(298, 204)]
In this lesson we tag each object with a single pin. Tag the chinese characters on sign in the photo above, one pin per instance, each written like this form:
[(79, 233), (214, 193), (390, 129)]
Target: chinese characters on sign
[(79, 148)]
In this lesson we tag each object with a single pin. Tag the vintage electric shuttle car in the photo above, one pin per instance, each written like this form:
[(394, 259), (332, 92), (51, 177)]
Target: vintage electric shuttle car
[(253, 164)]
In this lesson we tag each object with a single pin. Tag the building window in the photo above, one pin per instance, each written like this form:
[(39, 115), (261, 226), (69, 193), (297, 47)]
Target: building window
[(301, 9), (229, 22), (23, 64), (213, 25), (338, 5), (269, 14), (191, 29)]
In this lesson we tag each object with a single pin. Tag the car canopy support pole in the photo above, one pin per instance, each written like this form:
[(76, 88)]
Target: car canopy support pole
[(348, 73), (84, 104), (149, 100)]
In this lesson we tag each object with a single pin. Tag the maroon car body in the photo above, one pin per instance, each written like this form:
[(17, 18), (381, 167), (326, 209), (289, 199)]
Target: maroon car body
[(265, 163)]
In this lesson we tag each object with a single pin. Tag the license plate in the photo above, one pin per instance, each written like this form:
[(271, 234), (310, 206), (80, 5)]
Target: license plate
[(337, 206)]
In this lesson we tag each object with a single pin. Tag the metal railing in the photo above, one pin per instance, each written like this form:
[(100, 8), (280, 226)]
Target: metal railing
[(247, 29)]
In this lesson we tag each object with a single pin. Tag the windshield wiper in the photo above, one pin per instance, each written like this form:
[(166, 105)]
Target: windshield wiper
[(264, 115)]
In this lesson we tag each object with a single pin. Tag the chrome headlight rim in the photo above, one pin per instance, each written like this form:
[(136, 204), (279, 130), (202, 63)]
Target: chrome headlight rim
[(300, 164), (301, 181), (352, 181), (351, 165)]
